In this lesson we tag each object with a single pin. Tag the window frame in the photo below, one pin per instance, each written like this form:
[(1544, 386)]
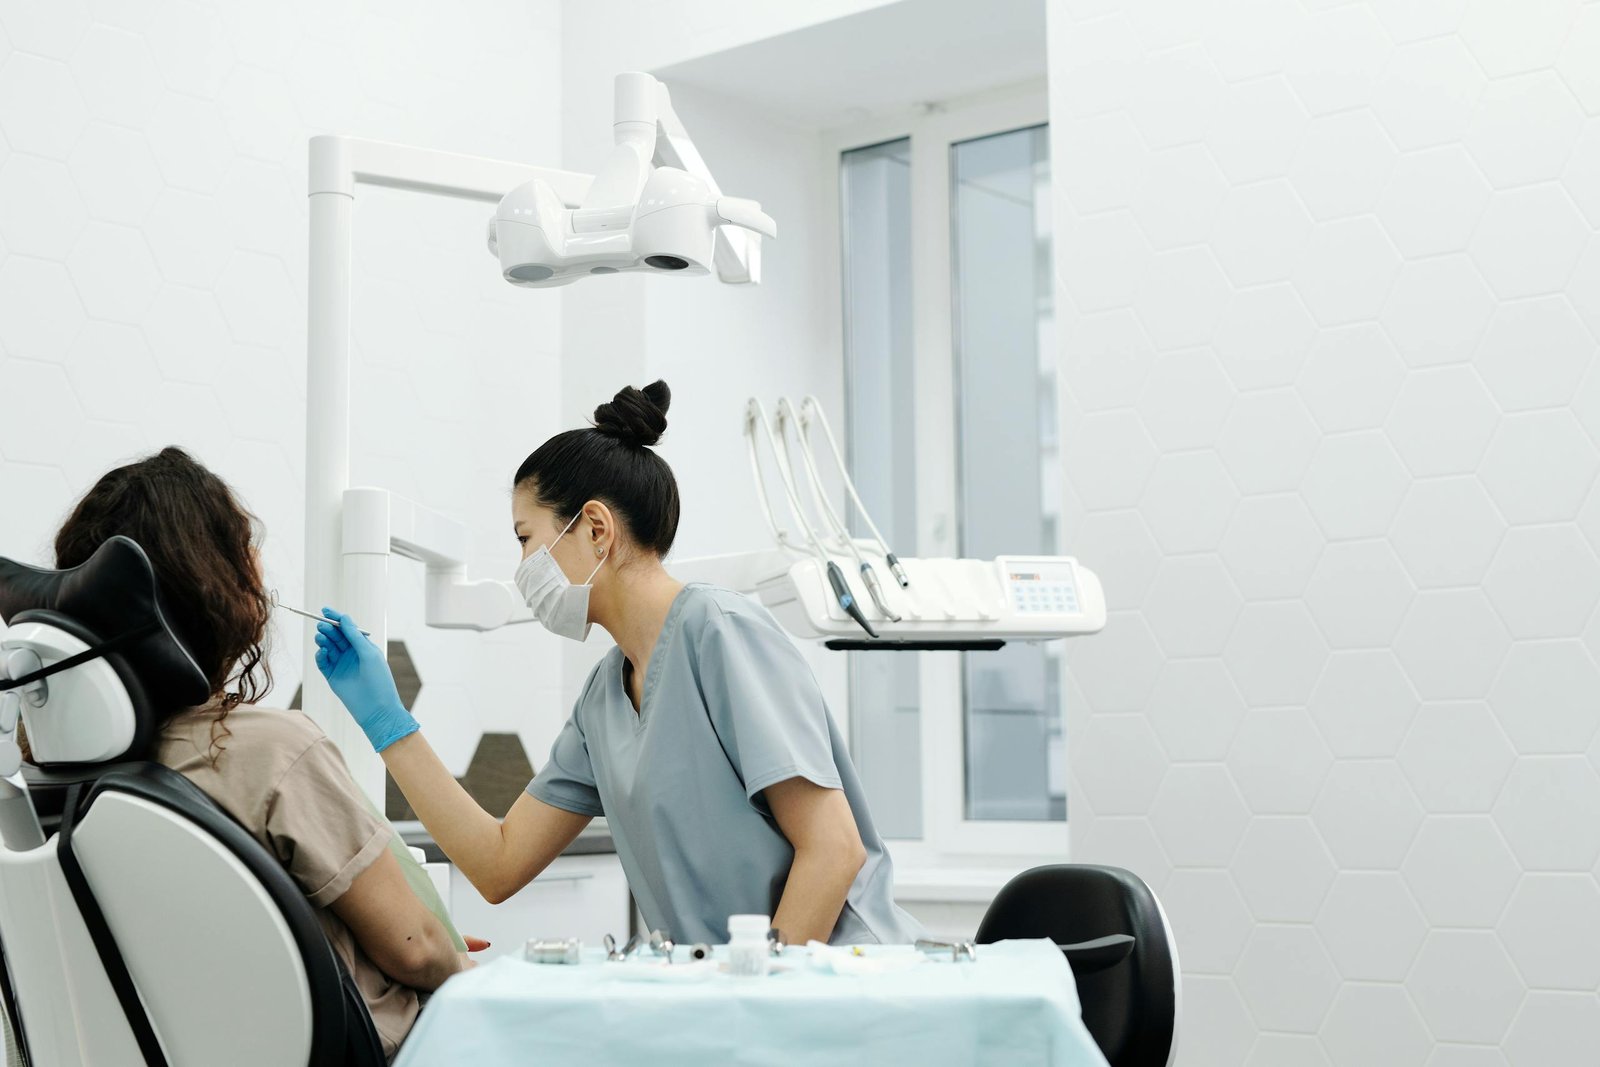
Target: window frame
[(950, 839)]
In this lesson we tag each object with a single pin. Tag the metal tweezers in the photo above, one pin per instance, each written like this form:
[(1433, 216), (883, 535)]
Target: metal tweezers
[(959, 950)]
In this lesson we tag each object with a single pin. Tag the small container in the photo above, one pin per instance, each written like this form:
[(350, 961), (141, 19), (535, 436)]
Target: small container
[(748, 953), (552, 950)]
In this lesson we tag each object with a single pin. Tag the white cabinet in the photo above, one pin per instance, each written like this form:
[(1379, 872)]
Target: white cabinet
[(576, 896)]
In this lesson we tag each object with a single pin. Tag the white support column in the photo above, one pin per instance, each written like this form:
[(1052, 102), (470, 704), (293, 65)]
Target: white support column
[(332, 193)]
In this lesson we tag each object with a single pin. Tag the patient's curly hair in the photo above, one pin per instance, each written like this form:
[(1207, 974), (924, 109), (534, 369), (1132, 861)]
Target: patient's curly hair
[(201, 541)]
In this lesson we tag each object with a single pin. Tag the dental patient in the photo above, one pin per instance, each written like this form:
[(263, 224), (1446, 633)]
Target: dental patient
[(274, 771)]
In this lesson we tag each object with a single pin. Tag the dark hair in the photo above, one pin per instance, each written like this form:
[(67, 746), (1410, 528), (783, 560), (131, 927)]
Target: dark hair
[(200, 541), (612, 462)]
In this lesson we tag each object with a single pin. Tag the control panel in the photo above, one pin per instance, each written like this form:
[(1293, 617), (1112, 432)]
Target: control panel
[(1040, 585)]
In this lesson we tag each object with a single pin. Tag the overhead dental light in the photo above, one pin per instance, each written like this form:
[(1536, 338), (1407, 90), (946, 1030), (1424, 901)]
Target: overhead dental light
[(652, 207)]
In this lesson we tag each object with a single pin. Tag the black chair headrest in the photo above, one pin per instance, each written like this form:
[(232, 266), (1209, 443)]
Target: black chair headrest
[(112, 593)]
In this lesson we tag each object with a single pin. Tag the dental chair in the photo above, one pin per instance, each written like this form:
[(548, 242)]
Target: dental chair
[(139, 924), (1112, 930)]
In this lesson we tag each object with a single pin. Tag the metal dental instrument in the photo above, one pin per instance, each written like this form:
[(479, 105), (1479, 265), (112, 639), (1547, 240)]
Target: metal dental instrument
[(959, 950), (661, 944), (869, 575), (810, 409), (612, 955), (699, 952), (635, 943), (273, 595)]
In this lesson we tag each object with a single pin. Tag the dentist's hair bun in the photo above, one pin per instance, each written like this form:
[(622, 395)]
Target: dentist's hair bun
[(635, 416)]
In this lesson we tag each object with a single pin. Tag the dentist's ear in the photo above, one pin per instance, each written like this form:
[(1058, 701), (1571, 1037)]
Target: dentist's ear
[(602, 528)]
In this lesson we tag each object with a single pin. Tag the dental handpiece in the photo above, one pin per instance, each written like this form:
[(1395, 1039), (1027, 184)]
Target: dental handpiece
[(847, 600)]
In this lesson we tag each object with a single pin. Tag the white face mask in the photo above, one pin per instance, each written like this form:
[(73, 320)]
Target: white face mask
[(562, 607)]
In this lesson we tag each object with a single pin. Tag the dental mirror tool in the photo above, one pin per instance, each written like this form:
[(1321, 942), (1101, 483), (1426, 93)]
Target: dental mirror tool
[(273, 593)]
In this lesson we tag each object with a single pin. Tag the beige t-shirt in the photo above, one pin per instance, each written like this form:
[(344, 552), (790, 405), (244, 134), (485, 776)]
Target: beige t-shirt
[(280, 777)]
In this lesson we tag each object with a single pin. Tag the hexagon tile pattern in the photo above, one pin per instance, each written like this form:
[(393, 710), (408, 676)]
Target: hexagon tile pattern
[(1355, 507)]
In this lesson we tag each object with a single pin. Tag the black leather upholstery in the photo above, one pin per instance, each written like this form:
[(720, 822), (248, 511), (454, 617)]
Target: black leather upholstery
[(342, 1029), (1129, 997), (113, 592)]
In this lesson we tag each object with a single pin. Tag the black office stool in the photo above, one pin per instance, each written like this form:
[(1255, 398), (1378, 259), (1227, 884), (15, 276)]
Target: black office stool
[(1113, 932)]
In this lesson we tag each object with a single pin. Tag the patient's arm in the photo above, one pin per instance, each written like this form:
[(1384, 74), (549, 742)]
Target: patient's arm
[(395, 929), (499, 858)]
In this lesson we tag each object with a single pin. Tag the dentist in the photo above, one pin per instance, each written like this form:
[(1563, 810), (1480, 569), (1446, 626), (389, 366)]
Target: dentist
[(702, 737)]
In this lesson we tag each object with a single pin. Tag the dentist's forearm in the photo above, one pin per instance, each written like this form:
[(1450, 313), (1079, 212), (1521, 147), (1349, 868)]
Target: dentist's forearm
[(466, 833), (815, 893)]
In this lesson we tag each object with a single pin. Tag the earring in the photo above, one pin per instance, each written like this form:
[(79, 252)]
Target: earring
[(599, 551)]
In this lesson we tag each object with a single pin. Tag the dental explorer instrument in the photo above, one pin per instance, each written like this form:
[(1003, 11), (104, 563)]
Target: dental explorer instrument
[(273, 594)]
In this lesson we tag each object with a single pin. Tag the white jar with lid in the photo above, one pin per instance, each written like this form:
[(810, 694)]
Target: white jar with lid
[(747, 945)]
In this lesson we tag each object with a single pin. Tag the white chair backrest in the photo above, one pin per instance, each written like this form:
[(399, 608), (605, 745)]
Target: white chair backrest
[(87, 717), (215, 963)]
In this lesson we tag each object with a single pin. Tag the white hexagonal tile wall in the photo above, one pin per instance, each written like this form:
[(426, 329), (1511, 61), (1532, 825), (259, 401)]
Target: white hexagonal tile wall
[(1373, 1024), (1268, 441), (1271, 546), (1208, 918), (1256, 130), (1581, 175), (1220, 1030), (1584, 288), (190, 141), (1347, 270), (1125, 841), (249, 288), (1343, 164), (1287, 1050), (33, 430), (1438, 310), (1180, 298), (1367, 814), (1442, 421), (1124, 776), (108, 365), (1110, 467), (1550, 1026), (1125, 555), (1278, 761), (189, 339), (46, 29), (1264, 337), (1549, 812), (41, 213), (113, 271), (1188, 501), (1178, 196), (1434, 201), (1337, 60), (1534, 353), (1460, 871), (1577, 65), (1451, 644), (1118, 669), (1371, 926), (1169, 109), (117, 76), (1351, 378), (1275, 653), (1105, 359), (1550, 921), (1456, 757), (1191, 606), (1354, 485), (115, 173), (1262, 233), (1109, 278), (1198, 816), (1466, 1056), (1447, 531), (1358, 594), (40, 312), (25, 82), (1283, 869), (1186, 400), (1363, 704), (1195, 709), (1545, 697), (1529, 240), (1428, 94), (1523, 128), (1539, 466), (1529, 40), (1286, 978), (1465, 987), (1420, 20)]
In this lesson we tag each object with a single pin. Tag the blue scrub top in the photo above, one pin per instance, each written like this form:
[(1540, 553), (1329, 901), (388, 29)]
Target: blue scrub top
[(729, 708)]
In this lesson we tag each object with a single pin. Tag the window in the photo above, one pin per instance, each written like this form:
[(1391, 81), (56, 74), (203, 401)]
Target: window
[(953, 431)]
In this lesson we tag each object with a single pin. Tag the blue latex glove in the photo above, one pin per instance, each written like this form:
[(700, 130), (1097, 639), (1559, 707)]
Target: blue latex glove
[(360, 678)]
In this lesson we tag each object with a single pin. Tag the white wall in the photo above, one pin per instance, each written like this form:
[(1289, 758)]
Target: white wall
[(152, 274), (1330, 286)]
